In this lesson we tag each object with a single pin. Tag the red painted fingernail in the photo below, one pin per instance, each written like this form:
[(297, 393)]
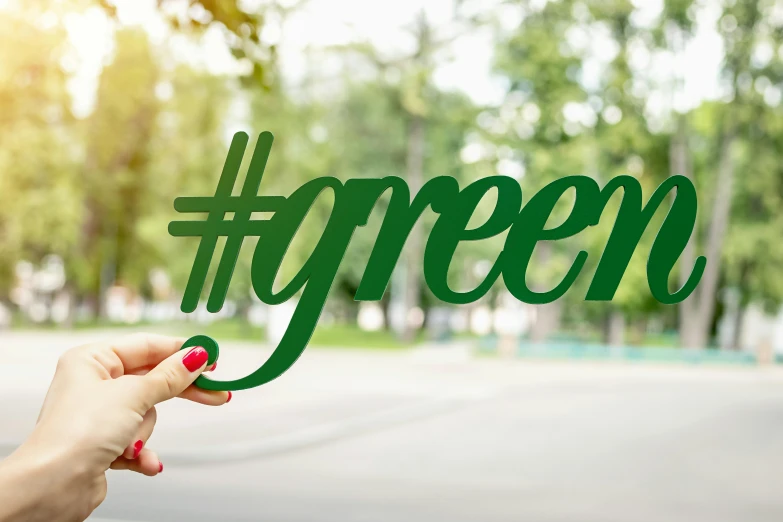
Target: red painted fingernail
[(160, 467), (195, 358), (212, 368), (137, 448), (229, 397)]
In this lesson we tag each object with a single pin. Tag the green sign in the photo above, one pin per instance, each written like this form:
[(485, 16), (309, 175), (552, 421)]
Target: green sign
[(355, 199)]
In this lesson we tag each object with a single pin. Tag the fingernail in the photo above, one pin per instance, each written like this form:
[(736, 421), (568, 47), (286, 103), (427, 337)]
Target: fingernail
[(137, 448), (160, 467), (212, 368), (195, 358), (229, 397)]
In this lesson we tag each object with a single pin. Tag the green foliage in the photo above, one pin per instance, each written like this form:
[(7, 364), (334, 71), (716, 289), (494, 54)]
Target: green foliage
[(99, 191), (39, 191), (116, 177)]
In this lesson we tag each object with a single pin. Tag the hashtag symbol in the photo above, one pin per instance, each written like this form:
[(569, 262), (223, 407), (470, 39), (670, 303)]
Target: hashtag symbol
[(216, 225)]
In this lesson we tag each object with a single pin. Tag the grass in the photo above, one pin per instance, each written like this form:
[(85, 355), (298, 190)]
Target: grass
[(342, 335), (334, 335), (352, 337), (337, 335)]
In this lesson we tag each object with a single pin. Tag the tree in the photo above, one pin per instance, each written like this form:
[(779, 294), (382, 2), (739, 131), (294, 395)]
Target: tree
[(623, 145), (115, 178), (544, 88), (742, 26), (186, 154), (242, 23), (412, 94), (750, 258), (39, 196)]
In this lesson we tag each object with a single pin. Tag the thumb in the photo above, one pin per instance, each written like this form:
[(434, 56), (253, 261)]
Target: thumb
[(170, 378)]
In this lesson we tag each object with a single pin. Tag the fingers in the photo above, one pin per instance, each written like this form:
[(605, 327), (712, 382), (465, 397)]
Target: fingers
[(145, 350), (207, 397), (172, 376), (142, 435), (196, 394), (146, 369), (147, 463)]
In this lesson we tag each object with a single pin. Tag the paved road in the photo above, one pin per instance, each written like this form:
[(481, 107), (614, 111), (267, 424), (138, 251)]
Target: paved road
[(435, 438)]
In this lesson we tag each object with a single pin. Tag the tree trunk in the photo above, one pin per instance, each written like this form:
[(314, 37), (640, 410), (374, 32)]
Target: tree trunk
[(638, 332), (547, 315), (415, 174), (719, 221), (73, 304), (736, 342), (679, 164), (106, 282), (615, 328), (547, 321)]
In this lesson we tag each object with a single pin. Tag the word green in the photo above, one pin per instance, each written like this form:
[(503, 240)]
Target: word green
[(354, 201)]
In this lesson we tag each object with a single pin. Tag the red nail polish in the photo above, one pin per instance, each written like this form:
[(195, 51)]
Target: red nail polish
[(214, 366), (229, 397), (160, 467), (137, 448), (195, 358)]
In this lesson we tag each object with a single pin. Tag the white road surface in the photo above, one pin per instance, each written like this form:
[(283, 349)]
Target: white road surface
[(352, 435)]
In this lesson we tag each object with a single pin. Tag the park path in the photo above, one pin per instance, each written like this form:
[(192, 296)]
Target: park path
[(436, 435)]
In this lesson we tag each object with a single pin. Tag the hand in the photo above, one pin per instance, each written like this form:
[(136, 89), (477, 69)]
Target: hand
[(98, 414)]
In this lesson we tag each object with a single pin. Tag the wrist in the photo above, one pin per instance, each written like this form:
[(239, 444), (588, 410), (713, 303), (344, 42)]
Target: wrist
[(35, 482)]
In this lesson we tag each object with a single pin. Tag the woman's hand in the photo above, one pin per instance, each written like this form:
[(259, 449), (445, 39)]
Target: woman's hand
[(98, 414)]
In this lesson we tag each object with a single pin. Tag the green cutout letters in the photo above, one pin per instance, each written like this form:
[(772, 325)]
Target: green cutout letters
[(353, 203)]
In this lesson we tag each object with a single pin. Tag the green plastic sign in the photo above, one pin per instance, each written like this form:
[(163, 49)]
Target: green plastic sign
[(354, 201)]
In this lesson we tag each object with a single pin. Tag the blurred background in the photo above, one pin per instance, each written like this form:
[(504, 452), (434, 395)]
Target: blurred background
[(410, 408)]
